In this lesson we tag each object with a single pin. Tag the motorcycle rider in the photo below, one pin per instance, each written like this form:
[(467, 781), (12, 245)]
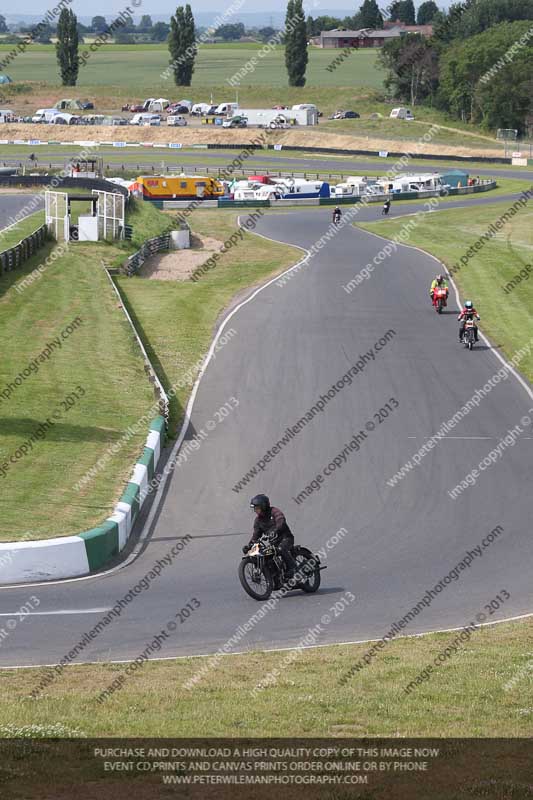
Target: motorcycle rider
[(270, 519), (440, 282), (468, 312), (386, 206), (337, 215)]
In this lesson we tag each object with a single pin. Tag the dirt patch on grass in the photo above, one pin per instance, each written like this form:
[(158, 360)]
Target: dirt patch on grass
[(178, 265), (311, 137)]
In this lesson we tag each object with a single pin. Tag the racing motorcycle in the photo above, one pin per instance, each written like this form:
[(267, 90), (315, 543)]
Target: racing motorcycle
[(469, 335), (439, 299), (262, 569)]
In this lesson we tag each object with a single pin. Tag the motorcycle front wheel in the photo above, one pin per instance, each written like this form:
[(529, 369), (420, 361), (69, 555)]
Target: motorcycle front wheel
[(255, 582)]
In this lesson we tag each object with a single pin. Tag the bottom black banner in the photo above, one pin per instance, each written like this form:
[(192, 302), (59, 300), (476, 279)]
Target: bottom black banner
[(376, 769)]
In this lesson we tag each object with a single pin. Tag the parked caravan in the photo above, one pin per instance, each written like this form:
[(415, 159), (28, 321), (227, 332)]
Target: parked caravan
[(177, 187), (298, 187), (200, 109), (354, 186), (430, 182), (158, 105), (64, 119), (401, 113)]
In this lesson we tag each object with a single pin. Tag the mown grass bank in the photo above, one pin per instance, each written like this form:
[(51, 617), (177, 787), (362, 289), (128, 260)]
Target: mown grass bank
[(68, 357)]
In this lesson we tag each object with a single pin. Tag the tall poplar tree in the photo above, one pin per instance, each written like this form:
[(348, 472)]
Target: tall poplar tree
[(182, 45), (296, 55), (67, 47)]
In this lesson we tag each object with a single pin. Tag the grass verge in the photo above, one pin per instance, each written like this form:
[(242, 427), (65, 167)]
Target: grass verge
[(476, 692), (506, 318), (45, 364), (15, 233)]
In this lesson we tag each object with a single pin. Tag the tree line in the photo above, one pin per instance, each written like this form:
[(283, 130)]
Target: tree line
[(369, 15), (477, 66)]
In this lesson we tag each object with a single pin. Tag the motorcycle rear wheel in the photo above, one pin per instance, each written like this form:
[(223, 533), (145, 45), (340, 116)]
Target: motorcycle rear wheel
[(247, 571), (302, 555)]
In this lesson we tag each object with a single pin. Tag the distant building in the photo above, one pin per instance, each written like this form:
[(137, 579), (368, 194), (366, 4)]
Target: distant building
[(425, 30), (366, 37)]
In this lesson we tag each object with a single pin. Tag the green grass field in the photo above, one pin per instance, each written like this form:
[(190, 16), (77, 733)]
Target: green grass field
[(139, 68), (507, 319)]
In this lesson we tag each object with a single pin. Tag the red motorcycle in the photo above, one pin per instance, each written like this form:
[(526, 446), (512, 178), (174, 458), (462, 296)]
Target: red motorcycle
[(440, 298)]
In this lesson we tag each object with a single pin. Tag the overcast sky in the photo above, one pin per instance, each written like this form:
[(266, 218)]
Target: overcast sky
[(111, 8)]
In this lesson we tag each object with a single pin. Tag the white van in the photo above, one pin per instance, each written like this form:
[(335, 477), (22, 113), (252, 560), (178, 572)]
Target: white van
[(177, 120), (200, 109), (145, 119), (303, 106), (44, 114), (401, 113), (226, 108)]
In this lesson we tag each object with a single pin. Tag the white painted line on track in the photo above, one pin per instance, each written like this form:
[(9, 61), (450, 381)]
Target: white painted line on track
[(272, 649), (52, 613)]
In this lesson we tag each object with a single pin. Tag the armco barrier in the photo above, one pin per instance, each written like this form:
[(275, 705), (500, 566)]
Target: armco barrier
[(152, 246), (72, 556), (69, 183), (159, 392), (14, 256), (227, 203)]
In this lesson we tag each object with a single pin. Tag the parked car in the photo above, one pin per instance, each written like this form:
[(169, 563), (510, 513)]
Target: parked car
[(135, 108), (86, 105), (344, 115), (118, 121), (177, 109), (235, 122)]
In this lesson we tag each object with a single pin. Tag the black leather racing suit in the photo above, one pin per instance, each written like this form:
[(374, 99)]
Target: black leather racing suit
[(273, 521)]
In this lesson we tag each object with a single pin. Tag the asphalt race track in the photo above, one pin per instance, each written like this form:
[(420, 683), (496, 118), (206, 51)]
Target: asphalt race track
[(346, 165), (292, 342)]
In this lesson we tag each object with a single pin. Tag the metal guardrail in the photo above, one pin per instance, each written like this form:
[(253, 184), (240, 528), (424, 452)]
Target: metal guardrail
[(149, 248), (159, 392), (14, 256)]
